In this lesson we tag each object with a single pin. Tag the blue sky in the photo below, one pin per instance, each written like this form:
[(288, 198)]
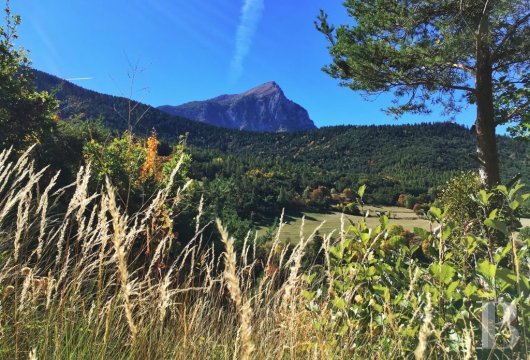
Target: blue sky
[(196, 49)]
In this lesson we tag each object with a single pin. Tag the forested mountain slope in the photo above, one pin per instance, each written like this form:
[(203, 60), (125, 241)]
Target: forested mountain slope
[(390, 159)]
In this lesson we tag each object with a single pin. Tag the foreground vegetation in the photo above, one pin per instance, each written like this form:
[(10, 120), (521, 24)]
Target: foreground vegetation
[(122, 257), (92, 282)]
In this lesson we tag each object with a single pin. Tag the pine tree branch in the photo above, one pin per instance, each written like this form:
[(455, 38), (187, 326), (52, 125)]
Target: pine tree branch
[(509, 34)]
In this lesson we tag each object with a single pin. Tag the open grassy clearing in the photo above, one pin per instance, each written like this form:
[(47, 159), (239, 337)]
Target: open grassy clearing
[(398, 216)]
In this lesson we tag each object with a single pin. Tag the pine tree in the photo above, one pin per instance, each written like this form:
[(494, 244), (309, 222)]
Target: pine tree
[(440, 52)]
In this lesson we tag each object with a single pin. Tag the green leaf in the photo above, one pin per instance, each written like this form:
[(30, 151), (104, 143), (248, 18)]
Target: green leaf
[(335, 252), (451, 292), (361, 191), (506, 276), (384, 221), (470, 290), (446, 232), (505, 251), (502, 189), (514, 205), (381, 290), (493, 214), (339, 303), (518, 186), (443, 272), (485, 197), (497, 225), (371, 271), (435, 212), (487, 269), (424, 234), (376, 306), (308, 295), (309, 278)]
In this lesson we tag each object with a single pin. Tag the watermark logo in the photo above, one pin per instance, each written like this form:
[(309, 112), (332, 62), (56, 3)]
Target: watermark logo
[(490, 325)]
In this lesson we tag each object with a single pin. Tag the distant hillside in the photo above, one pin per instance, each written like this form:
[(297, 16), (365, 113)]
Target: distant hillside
[(263, 108), (390, 159), (114, 111)]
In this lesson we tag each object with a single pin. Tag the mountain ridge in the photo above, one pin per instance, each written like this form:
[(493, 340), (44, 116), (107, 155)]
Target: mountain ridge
[(263, 108)]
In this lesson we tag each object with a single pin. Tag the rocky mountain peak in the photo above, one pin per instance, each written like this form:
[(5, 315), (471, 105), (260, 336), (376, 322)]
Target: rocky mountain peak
[(262, 108)]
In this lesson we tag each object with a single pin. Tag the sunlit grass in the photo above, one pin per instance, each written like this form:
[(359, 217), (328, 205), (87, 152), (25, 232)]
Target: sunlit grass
[(77, 284)]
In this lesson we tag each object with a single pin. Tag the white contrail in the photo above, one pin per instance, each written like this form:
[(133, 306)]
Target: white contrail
[(250, 17), (79, 78)]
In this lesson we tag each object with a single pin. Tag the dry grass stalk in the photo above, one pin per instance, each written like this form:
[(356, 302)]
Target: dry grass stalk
[(43, 210), (296, 261), (119, 226), (232, 283), (425, 330)]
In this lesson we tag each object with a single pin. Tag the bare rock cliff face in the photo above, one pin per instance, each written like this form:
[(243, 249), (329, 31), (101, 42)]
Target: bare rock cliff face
[(263, 108)]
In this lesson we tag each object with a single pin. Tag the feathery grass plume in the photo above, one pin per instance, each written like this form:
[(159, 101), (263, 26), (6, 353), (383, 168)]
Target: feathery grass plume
[(76, 201), (23, 159), (158, 252), (118, 226), (22, 221), (89, 239), (276, 239), (326, 244), (107, 316), (232, 283), (49, 290), (32, 354), (415, 277), (83, 200), (62, 275), (296, 261), (164, 296), (42, 208), (244, 250), (5, 174), (425, 330), (103, 228), (4, 155), (26, 288), (255, 245), (24, 198), (199, 214), (468, 345)]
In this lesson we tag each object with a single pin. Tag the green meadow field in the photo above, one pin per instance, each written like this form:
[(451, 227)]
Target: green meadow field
[(332, 221)]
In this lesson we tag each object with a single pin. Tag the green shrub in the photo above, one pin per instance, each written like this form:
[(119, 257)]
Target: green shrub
[(377, 282), (456, 198)]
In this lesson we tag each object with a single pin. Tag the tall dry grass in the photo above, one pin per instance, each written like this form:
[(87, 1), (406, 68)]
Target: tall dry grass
[(72, 285)]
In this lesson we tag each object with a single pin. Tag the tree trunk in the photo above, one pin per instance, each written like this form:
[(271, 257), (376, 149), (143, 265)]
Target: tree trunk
[(485, 122)]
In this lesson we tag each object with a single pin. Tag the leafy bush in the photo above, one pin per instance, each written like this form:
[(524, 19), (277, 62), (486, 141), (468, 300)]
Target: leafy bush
[(26, 115), (375, 284), (134, 166), (456, 197)]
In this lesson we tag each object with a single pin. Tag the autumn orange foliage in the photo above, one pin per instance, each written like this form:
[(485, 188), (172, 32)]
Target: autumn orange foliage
[(150, 166)]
